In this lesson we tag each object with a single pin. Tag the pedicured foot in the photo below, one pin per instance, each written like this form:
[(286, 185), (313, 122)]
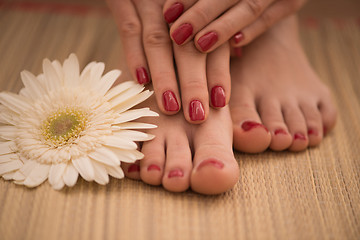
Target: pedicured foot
[(277, 100)]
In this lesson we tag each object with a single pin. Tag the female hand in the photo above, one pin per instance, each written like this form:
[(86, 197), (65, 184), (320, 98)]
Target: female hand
[(213, 22)]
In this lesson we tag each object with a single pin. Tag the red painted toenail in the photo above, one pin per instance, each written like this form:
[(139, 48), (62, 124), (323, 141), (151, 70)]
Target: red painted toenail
[(142, 76), (173, 12), (175, 173), (211, 162), (248, 125), (170, 102), (313, 132), (153, 167), (299, 136), (207, 41), (238, 51), (324, 130), (196, 111), (182, 33), (218, 96), (134, 168), (280, 131), (238, 37)]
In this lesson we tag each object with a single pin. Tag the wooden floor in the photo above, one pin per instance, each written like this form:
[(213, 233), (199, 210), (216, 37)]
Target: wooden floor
[(314, 194)]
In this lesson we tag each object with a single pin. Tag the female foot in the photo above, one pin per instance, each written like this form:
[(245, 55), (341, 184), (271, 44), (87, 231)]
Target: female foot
[(184, 155), (277, 99)]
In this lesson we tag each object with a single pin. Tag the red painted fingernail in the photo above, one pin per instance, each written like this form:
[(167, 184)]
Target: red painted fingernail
[(207, 41), (238, 37), (134, 168), (173, 12), (175, 173), (280, 131), (182, 33), (196, 111), (142, 76), (313, 132), (238, 51), (299, 136), (248, 125), (218, 96), (170, 102), (153, 167), (212, 162)]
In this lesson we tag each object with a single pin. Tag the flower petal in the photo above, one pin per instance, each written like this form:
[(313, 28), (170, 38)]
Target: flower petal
[(131, 115), (52, 79), (71, 71), (128, 156), (6, 147), (37, 175), (59, 184), (10, 166), (8, 157), (117, 142), (107, 81), (105, 156), (118, 89), (96, 72), (8, 132), (70, 176), (133, 135), (24, 171), (56, 173), (7, 116), (14, 102), (84, 166), (127, 95), (133, 101), (115, 171), (136, 125), (8, 176), (58, 68), (101, 175)]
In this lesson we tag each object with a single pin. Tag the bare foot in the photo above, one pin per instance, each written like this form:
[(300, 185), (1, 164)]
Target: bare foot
[(277, 100), (184, 155)]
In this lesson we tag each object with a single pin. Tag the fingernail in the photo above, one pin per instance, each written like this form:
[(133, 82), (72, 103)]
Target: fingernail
[(280, 131), (173, 12), (238, 51), (175, 173), (218, 96), (238, 37), (182, 33), (196, 111), (248, 125), (212, 162), (153, 167), (207, 41), (170, 102), (134, 168), (142, 76), (299, 136), (313, 132)]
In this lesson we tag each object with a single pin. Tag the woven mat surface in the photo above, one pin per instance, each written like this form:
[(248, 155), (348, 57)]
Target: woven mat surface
[(314, 194)]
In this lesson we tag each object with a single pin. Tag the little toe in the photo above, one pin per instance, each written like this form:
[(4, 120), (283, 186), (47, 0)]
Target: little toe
[(131, 170), (295, 121), (272, 117), (250, 135), (328, 114), (314, 123)]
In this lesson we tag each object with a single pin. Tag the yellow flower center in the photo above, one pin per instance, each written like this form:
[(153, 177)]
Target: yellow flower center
[(64, 126)]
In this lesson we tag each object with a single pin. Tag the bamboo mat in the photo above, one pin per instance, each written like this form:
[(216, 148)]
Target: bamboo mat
[(314, 194)]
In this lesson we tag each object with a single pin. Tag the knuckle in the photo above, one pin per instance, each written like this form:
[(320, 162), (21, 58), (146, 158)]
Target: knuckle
[(156, 38), (255, 7), (202, 14), (267, 21), (130, 28), (195, 84)]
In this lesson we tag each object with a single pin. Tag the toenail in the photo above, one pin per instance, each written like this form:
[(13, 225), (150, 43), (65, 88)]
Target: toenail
[(324, 130), (182, 33), (134, 168), (153, 167), (280, 131), (313, 132), (248, 125), (238, 51), (196, 111), (142, 76), (299, 136), (175, 173), (207, 41), (173, 12), (238, 37), (170, 102), (218, 96), (212, 162)]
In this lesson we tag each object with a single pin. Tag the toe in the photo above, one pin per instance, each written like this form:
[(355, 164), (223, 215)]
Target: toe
[(131, 170), (295, 121), (178, 162), (250, 135), (272, 117), (328, 114), (313, 122)]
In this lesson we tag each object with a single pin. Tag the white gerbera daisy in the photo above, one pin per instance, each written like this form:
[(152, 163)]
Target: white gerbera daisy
[(63, 123)]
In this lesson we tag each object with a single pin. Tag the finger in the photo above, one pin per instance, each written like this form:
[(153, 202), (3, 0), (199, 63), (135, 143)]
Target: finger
[(191, 66), (158, 49), (129, 26), (224, 27), (276, 12), (218, 76), (195, 18), (173, 9)]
